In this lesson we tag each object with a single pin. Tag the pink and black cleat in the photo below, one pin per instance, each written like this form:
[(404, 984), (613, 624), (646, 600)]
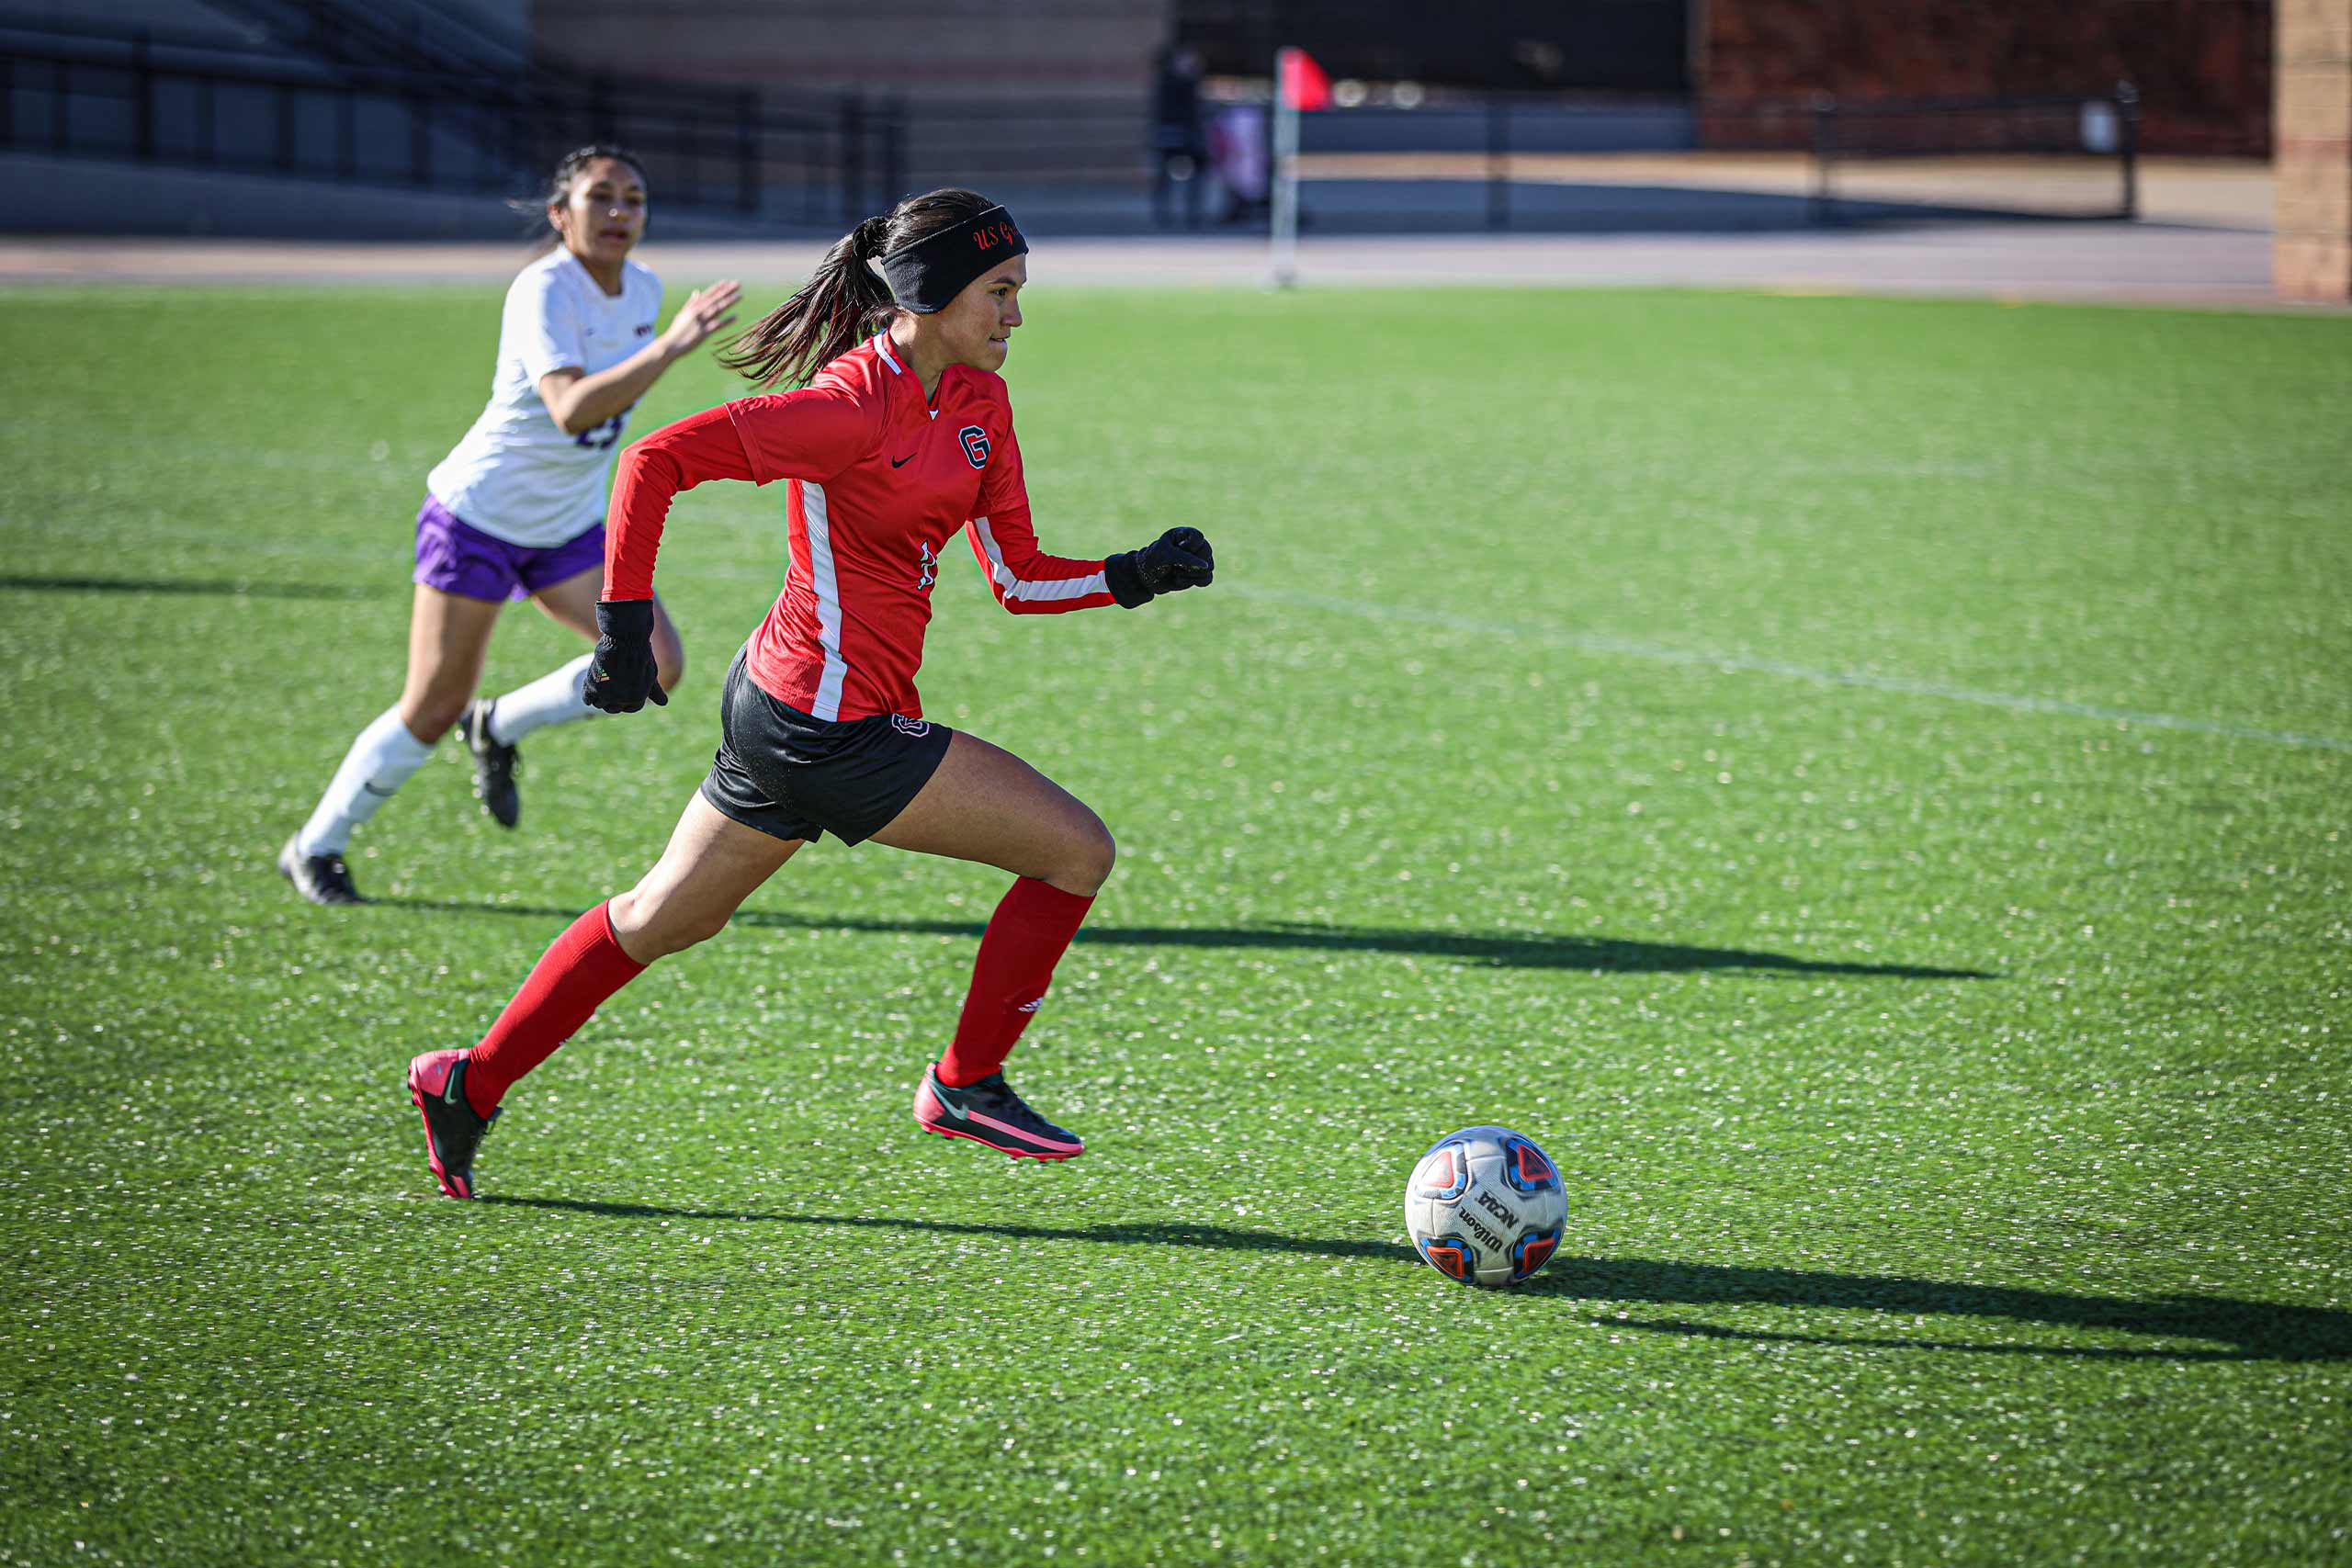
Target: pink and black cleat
[(436, 1081), (989, 1112)]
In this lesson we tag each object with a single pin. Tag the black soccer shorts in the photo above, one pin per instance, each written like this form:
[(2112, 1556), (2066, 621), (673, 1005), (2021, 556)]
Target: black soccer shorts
[(788, 775)]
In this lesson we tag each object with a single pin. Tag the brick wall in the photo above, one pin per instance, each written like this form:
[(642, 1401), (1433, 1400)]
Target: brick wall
[(2311, 253), (2203, 67)]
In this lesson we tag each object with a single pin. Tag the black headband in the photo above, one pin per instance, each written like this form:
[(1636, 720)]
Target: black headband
[(923, 276)]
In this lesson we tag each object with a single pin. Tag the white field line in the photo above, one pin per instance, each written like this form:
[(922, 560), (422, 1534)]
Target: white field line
[(1623, 647)]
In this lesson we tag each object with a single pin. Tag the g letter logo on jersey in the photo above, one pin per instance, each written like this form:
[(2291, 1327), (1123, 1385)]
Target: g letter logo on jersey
[(976, 444)]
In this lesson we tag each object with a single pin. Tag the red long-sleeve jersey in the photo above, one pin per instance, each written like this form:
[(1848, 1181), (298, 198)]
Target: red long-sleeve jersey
[(879, 477)]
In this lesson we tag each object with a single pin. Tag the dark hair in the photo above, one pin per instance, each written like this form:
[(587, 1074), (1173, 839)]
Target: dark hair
[(844, 300), (559, 190)]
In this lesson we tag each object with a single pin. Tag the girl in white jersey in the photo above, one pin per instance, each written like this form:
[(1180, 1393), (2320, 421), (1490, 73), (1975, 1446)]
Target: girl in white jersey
[(516, 510)]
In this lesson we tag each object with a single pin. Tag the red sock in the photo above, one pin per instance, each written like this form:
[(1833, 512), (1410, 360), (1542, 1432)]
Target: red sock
[(584, 967), (1027, 937)]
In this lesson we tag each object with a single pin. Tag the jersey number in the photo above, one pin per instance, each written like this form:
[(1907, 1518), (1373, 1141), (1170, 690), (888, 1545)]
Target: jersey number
[(603, 437)]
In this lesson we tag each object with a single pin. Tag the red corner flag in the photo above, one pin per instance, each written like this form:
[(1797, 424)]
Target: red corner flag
[(1304, 85)]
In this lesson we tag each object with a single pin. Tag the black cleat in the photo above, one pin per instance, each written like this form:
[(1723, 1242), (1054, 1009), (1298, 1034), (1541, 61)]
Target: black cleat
[(493, 764), (323, 879), (436, 1082), (989, 1112)]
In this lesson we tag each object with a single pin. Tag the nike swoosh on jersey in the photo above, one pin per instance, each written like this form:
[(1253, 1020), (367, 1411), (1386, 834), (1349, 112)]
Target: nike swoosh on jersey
[(902, 462)]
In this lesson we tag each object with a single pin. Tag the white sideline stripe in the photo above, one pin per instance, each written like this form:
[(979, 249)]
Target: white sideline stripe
[(827, 705), (1043, 590), (1591, 643)]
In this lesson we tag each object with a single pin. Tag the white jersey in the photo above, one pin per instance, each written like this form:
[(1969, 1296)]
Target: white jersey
[(517, 475)]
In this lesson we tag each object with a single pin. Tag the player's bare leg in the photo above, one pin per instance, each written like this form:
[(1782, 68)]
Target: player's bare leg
[(493, 727), (712, 864), (448, 636), (572, 603), (984, 804)]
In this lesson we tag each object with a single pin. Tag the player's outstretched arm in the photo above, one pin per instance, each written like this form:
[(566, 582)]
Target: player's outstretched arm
[(578, 401), (1027, 581)]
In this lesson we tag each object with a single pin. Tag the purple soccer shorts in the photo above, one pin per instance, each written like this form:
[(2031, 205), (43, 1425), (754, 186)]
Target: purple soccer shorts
[(455, 556)]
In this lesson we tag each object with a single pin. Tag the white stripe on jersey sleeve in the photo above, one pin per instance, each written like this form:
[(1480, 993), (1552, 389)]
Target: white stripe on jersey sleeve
[(1039, 591), (827, 705), (882, 347)]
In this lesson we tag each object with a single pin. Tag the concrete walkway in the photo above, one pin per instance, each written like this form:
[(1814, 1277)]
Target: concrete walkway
[(2141, 262), (1686, 219)]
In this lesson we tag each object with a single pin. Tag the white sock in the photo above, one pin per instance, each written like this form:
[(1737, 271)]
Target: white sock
[(378, 762), (553, 698)]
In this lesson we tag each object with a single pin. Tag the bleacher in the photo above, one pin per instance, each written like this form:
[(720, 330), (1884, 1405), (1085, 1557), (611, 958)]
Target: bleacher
[(416, 97)]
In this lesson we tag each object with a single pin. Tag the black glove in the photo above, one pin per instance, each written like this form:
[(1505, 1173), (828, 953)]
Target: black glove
[(1178, 559), (621, 677)]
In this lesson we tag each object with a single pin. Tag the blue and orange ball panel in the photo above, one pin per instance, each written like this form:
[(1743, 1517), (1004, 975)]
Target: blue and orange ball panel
[(1525, 1167), (1450, 1256), (1530, 1253), (1444, 1176)]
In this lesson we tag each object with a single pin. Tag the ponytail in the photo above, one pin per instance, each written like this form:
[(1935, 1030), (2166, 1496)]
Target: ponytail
[(845, 300), (830, 314)]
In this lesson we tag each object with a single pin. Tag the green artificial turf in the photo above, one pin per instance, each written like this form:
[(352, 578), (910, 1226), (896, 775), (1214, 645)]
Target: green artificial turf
[(1866, 784)]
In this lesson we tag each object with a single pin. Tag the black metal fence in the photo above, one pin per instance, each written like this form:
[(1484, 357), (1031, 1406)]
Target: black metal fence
[(1822, 161), (175, 100), (2101, 129), (215, 102)]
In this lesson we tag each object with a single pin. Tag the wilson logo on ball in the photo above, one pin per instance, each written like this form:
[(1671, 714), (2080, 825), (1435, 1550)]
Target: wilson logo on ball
[(976, 444), (1444, 1176)]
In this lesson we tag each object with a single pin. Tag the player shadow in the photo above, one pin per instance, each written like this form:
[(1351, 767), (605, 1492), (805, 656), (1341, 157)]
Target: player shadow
[(1498, 951), (239, 589), (2256, 1331)]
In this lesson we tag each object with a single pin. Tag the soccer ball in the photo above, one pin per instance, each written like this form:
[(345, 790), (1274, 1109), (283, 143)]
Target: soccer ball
[(1486, 1207)]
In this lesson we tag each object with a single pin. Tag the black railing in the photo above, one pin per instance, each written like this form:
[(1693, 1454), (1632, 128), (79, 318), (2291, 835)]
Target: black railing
[(212, 104), (2097, 126), (2072, 156)]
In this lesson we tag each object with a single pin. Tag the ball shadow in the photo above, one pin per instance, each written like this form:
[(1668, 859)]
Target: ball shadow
[(2252, 1331)]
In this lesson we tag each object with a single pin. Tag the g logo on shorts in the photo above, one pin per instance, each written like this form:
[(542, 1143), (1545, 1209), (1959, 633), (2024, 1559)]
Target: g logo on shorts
[(917, 727)]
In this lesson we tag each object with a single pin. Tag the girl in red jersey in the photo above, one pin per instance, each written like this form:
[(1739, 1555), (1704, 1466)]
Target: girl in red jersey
[(516, 510), (895, 443)]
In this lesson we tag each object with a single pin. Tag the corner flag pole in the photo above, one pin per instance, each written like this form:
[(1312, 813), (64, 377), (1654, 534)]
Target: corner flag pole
[(1285, 183)]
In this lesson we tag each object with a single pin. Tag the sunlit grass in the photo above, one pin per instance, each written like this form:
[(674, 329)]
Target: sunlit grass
[(1693, 730)]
